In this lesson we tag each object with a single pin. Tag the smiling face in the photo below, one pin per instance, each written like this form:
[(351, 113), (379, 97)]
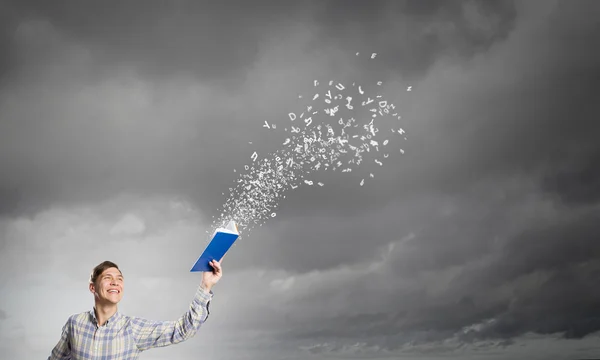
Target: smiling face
[(108, 287)]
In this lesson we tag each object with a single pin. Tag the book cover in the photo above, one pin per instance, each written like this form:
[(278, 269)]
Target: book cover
[(221, 241)]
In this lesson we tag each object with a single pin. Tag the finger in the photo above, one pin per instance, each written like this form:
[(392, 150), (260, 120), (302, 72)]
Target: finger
[(217, 266), (212, 264)]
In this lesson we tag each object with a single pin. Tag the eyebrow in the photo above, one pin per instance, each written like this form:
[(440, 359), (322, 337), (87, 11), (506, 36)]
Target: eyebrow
[(111, 275)]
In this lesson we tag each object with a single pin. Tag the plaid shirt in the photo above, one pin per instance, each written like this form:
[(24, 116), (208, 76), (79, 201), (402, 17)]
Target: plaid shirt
[(123, 337)]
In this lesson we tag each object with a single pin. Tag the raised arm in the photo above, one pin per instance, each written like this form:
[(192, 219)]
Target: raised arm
[(62, 350), (149, 334)]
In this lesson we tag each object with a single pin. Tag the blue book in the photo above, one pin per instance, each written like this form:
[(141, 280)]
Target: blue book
[(221, 241)]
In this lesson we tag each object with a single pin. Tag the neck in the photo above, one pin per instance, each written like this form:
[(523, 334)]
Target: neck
[(104, 312)]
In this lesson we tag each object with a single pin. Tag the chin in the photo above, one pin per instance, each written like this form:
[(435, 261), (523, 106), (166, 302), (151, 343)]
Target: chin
[(113, 301)]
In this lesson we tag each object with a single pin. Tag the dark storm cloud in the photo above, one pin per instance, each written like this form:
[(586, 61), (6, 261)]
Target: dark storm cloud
[(485, 302), (9, 200), (216, 40), (207, 40), (499, 284), (7, 26), (184, 40), (565, 301), (497, 187), (529, 113), (576, 182), (524, 107), (414, 35), (531, 109), (547, 276)]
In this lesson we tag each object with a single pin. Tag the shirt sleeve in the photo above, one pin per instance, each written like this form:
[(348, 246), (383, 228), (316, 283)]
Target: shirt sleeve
[(150, 334), (62, 350)]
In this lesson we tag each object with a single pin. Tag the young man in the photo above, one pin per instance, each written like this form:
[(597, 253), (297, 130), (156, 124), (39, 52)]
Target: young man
[(104, 333)]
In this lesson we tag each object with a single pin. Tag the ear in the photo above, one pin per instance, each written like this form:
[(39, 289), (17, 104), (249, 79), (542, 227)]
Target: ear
[(92, 288)]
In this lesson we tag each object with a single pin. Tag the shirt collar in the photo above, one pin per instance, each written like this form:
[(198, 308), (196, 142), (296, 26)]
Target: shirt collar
[(113, 319)]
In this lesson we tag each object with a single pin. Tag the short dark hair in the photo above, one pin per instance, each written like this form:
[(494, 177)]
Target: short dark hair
[(99, 269)]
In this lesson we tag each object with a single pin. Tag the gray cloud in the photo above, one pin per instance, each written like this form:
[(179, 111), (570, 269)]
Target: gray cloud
[(505, 289), (187, 37), (414, 35), (480, 235), (172, 169), (191, 38)]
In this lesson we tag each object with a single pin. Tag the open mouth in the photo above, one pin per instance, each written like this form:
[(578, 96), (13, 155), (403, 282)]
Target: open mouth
[(113, 291)]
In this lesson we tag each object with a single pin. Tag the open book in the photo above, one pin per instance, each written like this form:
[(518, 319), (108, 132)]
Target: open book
[(221, 241)]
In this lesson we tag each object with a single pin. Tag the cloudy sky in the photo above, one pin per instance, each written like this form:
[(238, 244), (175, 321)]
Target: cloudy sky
[(121, 123)]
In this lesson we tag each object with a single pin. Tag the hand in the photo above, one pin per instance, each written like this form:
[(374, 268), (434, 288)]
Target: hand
[(210, 278)]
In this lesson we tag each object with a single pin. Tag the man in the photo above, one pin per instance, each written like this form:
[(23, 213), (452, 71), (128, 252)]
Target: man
[(104, 333)]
